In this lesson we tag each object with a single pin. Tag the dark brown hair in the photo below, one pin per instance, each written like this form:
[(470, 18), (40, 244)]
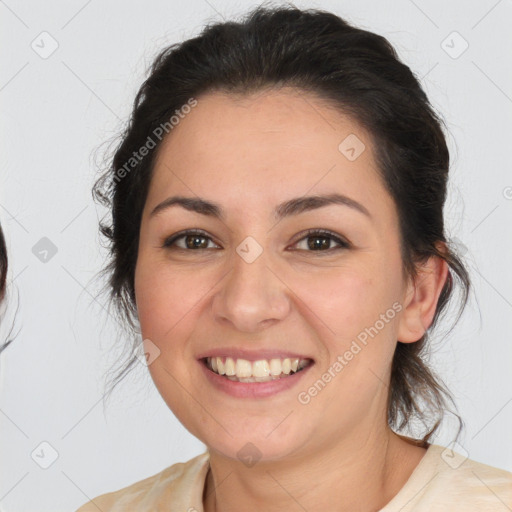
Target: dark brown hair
[(3, 264), (356, 71), (4, 343)]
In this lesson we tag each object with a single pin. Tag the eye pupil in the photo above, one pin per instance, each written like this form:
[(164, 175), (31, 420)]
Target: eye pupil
[(192, 239), (324, 242)]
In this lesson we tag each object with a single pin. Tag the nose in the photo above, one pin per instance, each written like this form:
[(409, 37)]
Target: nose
[(252, 296)]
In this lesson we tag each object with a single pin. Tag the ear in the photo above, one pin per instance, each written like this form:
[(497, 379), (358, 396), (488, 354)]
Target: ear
[(420, 299)]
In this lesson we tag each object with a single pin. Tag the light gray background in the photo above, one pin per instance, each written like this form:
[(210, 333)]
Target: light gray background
[(57, 110)]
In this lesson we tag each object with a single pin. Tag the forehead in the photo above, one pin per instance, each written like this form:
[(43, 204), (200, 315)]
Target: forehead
[(266, 147)]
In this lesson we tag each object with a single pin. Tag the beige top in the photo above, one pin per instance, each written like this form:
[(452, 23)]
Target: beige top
[(443, 481)]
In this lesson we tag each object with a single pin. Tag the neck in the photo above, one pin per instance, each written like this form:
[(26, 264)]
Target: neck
[(361, 473)]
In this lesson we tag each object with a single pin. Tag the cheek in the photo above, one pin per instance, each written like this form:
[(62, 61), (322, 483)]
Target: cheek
[(167, 297), (345, 299), (157, 295), (351, 310)]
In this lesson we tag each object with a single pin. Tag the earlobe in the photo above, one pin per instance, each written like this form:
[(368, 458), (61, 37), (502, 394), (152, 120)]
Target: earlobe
[(421, 298)]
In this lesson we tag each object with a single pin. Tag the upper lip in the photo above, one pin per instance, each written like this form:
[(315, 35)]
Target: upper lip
[(252, 355)]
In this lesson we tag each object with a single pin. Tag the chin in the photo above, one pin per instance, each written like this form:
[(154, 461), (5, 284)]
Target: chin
[(262, 443)]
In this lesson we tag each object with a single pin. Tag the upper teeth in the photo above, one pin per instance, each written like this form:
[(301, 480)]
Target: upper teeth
[(261, 368)]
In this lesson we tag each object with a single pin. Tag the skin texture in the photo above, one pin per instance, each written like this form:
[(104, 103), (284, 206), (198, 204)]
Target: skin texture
[(248, 154)]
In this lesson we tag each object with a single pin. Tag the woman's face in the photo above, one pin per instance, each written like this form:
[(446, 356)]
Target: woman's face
[(277, 292)]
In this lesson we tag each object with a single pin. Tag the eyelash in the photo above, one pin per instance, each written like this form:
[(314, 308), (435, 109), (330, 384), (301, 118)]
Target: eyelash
[(310, 233)]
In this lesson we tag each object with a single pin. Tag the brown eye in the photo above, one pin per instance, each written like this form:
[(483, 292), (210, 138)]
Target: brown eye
[(321, 240), (193, 240)]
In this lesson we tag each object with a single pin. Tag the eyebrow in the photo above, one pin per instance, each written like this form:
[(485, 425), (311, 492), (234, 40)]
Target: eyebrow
[(286, 209)]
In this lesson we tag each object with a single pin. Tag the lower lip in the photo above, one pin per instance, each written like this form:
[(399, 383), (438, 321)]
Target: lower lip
[(252, 389)]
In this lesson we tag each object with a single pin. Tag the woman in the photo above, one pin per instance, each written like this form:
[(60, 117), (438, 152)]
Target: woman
[(277, 232)]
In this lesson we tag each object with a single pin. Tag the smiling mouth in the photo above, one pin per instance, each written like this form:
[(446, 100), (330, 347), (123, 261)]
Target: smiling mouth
[(263, 370)]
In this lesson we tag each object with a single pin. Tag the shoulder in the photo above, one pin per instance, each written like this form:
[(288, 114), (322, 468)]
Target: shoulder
[(460, 483), (171, 483)]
